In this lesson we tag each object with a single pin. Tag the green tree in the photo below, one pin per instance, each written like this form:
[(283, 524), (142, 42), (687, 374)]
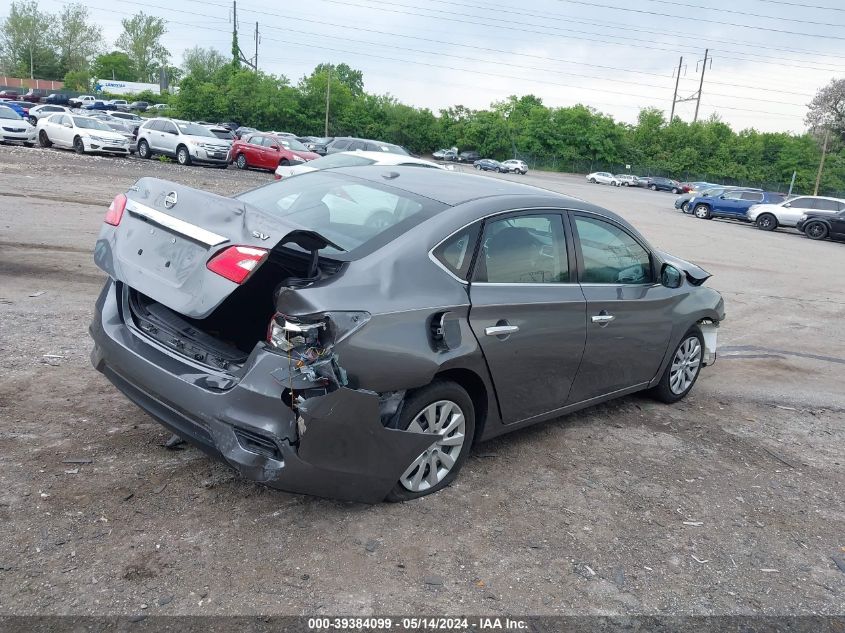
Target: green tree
[(77, 40), (115, 65), (202, 63), (78, 80), (26, 46), (141, 41)]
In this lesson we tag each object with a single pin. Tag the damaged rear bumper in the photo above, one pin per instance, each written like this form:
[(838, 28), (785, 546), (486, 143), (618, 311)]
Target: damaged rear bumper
[(344, 453)]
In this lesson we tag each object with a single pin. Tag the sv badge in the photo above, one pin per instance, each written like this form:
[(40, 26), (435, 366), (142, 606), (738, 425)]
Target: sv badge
[(259, 235)]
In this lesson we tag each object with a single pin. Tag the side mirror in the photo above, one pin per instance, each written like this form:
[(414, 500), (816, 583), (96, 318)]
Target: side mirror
[(722, 197), (670, 276), (788, 205), (275, 148)]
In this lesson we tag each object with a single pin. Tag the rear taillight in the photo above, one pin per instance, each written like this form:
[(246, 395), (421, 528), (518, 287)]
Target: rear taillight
[(116, 209), (277, 176), (236, 263)]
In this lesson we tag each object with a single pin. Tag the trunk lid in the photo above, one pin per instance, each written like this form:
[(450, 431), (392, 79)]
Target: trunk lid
[(168, 233)]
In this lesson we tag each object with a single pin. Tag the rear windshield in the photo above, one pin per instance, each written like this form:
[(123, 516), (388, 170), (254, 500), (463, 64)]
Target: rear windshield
[(224, 134), (351, 212), (340, 160)]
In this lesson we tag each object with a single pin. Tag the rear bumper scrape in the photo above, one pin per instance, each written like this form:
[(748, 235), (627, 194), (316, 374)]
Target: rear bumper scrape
[(345, 451)]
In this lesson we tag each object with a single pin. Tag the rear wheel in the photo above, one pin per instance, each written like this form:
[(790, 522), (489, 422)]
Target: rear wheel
[(683, 370), (593, 180), (43, 140), (183, 156), (653, 187), (240, 161), (284, 163), (78, 145), (701, 211), (498, 170), (442, 408), (675, 190), (478, 167), (767, 222), (816, 230), (144, 149), (624, 183)]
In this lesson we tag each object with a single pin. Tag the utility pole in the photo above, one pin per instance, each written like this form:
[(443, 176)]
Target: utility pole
[(328, 96), (701, 84), (675, 96), (791, 184), (257, 35), (821, 162)]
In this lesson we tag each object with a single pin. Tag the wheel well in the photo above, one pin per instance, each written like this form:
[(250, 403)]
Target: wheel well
[(474, 386)]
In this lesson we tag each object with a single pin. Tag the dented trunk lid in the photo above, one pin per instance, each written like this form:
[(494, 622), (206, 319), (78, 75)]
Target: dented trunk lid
[(168, 233)]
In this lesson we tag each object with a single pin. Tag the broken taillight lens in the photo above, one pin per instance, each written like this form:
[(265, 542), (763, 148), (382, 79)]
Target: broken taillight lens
[(327, 328), (116, 209), (237, 263)]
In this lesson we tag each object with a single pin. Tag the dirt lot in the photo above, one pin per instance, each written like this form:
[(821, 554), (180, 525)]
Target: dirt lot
[(727, 503)]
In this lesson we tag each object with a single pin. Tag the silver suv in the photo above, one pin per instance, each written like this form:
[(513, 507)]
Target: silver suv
[(185, 141)]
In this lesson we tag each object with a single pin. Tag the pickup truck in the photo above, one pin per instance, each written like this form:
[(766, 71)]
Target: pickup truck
[(78, 102)]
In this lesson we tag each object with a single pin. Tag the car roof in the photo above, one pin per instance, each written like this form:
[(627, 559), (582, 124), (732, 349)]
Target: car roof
[(449, 187)]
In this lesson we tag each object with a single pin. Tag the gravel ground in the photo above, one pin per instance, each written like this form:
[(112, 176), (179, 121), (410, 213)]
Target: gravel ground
[(729, 502)]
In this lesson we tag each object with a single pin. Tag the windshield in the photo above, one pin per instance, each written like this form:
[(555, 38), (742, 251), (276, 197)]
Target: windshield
[(90, 124), (292, 144), (8, 113), (351, 213), (192, 129)]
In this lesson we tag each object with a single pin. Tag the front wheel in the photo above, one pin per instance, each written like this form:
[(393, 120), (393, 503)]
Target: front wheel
[(183, 157), (767, 222), (478, 167), (653, 187), (442, 408), (241, 161), (685, 207), (498, 170), (593, 180), (683, 370), (144, 149), (815, 230), (624, 184), (32, 121), (78, 145), (701, 211), (675, 190), (43, 140)]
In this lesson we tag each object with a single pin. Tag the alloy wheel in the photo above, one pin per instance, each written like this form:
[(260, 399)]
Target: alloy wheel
[(445, 418), (241, 161), (816, 231), (685, 365)]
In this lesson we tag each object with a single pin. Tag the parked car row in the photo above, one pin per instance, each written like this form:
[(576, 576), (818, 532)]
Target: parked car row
[(513, 166), (818, 217)]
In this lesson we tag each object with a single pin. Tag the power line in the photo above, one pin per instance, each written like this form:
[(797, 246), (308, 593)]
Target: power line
[(803, 6), (700, 19), (735, 12), (323, 22)]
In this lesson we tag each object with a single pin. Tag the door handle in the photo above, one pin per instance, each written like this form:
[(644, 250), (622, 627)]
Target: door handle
[(602, 319), (499, 330)]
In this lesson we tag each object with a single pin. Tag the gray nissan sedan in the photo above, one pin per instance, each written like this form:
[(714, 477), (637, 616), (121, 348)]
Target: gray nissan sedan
[(350, 333)]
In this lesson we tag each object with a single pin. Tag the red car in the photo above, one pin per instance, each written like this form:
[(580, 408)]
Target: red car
[(267, 151), (11, 95)]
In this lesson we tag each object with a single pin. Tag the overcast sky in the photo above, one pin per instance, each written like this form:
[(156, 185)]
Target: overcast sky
[(765, 67)]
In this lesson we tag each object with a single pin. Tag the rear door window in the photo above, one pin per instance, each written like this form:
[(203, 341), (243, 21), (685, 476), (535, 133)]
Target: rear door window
[(826, 205), (455, 253), (340, 144), (750, 195)]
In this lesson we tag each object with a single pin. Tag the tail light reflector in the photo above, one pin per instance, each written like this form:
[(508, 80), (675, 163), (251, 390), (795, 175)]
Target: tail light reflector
[(237, 263), (116, 209)]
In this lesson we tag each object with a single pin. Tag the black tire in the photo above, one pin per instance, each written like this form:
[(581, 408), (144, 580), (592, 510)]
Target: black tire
[(478, 167), (663, 391), (144, 149), (413, 406), (498, 170), (653, 187), (624, 183), (43, 140), (685, 207), (702, 212), (816, 230), (32, 121), (593, 180), (183, 156), (284, 163), (78, 145), (766, 222), (675, 190), (240, 161)]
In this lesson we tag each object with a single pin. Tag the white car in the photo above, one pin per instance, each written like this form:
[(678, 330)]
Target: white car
[(40, 111), (627, 180), (78, 102), (355, 159), (770, 216), (14, 128), (81, 133), (157, 107), (603, 177), (185, 141), (515, 166)]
